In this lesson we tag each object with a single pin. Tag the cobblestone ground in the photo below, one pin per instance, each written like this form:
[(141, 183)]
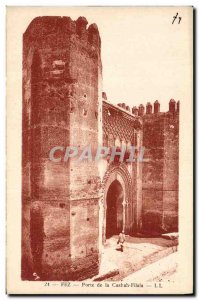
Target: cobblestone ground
[(138, 253)]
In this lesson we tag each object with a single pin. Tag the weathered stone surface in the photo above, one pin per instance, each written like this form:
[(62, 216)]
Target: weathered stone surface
[(61, 83), (160, 173)]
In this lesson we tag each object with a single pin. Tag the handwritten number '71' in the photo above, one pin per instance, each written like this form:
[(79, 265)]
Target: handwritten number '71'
[(176, 17)]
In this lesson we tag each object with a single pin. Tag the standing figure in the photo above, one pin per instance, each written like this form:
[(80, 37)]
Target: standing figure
[(121, 240)]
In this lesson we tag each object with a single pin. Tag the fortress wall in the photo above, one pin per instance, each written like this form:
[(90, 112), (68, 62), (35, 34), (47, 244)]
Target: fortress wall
[(160, 173), (61, 69), (171, 172)]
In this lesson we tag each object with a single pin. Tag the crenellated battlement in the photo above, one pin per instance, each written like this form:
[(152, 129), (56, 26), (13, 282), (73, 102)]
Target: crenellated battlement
[(42, 27), (149, 109)]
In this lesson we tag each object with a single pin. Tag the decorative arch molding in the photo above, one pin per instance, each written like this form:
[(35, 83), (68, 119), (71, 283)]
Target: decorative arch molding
[(119, 172)]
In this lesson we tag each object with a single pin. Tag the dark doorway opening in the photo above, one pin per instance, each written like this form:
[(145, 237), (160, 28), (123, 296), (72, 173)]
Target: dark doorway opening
[(114, 209)]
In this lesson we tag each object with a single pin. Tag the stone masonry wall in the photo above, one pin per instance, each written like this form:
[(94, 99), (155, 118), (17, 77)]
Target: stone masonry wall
[(160, 173), (61, 74)]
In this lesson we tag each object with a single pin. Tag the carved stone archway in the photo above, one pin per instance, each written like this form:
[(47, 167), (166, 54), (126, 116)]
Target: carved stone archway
[(118, 172), (115, 209)]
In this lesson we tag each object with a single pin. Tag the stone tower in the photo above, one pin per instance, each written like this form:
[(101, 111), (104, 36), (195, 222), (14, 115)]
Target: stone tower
[(61, 107), (160, 172)]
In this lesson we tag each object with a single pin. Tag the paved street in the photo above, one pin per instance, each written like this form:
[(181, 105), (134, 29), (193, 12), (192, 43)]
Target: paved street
[(138, 253)]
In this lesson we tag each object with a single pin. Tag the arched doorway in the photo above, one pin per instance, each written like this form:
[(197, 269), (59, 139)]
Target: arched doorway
[(114, 209)]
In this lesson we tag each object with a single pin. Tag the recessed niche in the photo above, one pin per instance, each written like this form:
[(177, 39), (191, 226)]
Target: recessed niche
[(84, 112), (72, 109)]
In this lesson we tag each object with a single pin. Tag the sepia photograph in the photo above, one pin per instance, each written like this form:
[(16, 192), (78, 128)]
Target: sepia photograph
[(103, 180)]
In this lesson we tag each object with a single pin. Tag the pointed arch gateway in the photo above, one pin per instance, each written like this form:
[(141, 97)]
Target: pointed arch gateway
[(117, 199), (114, 209)]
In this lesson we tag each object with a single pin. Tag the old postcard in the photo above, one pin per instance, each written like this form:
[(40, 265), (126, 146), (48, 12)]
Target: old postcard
[(99, 150)]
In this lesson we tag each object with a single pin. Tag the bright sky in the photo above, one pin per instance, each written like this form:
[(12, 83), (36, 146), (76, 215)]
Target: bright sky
[(144, 56)]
